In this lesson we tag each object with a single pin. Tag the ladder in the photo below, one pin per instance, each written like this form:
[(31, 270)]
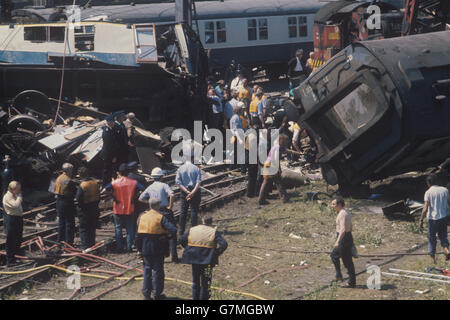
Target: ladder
[(417, 275)]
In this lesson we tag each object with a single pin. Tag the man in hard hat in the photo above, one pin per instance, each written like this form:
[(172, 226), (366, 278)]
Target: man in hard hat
[(153, 231), (162, 191), (203, 245)]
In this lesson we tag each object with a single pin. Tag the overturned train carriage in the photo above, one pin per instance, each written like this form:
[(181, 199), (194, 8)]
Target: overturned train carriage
[(157, 71), (380, 108)]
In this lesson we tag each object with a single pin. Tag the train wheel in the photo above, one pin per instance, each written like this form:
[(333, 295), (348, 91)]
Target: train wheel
[(32, 101), (27, 123)]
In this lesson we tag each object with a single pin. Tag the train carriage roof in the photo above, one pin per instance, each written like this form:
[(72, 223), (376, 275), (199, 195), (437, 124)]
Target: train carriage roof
[(165, 12)]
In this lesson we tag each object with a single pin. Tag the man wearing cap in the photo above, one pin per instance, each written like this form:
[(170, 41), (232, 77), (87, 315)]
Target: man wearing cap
[(188, 178), (203, 245), (88, 197), (109, 151), (154, 229), (125, 191), (133, 174), (162, 191), (121, 137), (65, 189)]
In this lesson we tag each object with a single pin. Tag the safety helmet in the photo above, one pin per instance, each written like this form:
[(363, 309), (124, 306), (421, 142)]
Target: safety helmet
[(156, 172)]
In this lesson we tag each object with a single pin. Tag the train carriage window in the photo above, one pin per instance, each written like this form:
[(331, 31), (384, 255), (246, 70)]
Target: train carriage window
[(251, 29), (302, 26), (57, 34), (263, 31), (209, 32), (297, 23), (84, 38), (35, 34), (221, 31), (292, 27)]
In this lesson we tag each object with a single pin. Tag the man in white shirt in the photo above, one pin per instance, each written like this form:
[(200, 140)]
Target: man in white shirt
[(12, 203), (437, 202), (236, 83), (296, 69), (344, 243)]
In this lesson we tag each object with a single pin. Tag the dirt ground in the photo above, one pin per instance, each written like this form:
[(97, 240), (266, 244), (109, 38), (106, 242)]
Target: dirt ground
[(301, 225)]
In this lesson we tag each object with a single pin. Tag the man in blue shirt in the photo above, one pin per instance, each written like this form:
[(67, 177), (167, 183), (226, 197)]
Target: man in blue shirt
[(188, 178), (216, 115), (162, 191), (230, 106)]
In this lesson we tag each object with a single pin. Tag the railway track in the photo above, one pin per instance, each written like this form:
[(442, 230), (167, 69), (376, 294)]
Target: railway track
[(40, 240)]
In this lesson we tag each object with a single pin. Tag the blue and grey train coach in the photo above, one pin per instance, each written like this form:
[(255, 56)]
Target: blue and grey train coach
[(255, 33)]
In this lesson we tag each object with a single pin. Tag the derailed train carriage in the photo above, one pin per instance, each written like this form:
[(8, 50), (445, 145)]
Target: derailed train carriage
[(380, 108), (157, 71)]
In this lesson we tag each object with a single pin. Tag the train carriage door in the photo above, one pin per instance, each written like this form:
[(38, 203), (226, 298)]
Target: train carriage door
[(183, 47), (145, 42)]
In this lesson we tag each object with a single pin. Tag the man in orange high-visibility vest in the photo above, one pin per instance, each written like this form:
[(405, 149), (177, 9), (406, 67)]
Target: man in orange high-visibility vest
[(125, 193)]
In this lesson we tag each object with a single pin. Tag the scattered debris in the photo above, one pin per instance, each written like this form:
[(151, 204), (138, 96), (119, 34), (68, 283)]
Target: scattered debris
[(293, 236), (422, 292), (251, 255)]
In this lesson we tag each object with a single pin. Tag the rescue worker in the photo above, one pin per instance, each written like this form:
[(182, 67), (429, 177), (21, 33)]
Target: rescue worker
[(257, 109), (133, 174), (244, 92), (154, 230), (203, 245), (125, 191), (310, 63), (188, 178), (162, 191), (65, 189), (139, 206), (272, 171), (13, 218), (121, 136), (344, 243), (88, 197), (108, 152)]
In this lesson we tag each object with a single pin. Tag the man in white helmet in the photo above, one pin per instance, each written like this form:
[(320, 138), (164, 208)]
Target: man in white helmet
[(162, 191)]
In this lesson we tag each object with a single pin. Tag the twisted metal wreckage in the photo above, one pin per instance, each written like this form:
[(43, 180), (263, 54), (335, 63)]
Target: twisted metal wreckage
[(158, 72)]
